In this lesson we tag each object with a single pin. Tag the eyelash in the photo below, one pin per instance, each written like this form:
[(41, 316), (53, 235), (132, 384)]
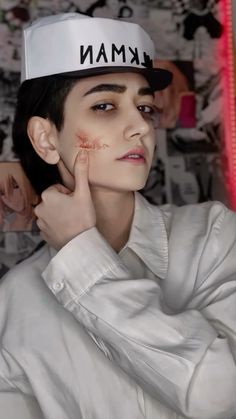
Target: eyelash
[(152, 115), (101, 108), (152, 109)]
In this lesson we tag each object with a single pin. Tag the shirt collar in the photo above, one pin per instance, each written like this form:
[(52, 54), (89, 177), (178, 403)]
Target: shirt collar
[(148, 236)]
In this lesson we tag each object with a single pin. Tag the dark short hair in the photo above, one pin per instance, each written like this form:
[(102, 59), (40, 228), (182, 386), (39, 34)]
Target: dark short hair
[(44, 97)]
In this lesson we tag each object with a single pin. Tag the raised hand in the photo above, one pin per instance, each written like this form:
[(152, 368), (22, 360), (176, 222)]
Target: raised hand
[(63, 214)]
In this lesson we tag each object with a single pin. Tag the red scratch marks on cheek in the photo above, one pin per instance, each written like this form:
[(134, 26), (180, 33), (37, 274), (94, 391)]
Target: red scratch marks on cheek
[(82, 141)]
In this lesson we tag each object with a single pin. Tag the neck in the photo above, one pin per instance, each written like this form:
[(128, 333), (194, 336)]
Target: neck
[(114, 212)]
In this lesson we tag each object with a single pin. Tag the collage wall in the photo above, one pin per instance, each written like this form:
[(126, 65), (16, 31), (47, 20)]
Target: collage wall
[(187, 167)]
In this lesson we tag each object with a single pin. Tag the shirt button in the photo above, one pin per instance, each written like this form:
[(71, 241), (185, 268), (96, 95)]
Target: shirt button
[(58, 286)]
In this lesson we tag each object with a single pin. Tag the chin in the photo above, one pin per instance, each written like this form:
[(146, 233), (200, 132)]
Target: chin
[(124, 184), (134, 186), (140, 185)]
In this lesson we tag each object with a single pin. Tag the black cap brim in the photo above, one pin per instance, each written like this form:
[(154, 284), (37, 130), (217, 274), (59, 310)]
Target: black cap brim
[(158, 78)]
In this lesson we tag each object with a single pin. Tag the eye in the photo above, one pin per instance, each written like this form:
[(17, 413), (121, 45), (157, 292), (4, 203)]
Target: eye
[(150, 113), (14, 184), (103, 107), (147, 109)]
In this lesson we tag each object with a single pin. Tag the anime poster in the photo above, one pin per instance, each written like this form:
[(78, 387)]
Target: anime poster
[(187, 35), (177, 103), (187, 163)]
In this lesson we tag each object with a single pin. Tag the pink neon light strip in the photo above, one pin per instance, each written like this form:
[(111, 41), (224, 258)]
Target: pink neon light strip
[(229, 109)]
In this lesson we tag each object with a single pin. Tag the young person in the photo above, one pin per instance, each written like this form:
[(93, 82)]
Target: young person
[(17, 198), (129, 310)]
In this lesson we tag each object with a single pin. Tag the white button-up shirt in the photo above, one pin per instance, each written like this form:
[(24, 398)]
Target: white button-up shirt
[(146, 333)]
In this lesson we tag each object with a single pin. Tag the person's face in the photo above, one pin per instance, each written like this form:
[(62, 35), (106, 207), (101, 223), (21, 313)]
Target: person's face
[(15, 200), (112, 116)]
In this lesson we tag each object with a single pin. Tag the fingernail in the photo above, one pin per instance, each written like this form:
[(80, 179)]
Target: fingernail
[(83, 155)]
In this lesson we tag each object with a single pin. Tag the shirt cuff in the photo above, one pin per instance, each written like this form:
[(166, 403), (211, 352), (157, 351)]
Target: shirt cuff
[(82, 262)]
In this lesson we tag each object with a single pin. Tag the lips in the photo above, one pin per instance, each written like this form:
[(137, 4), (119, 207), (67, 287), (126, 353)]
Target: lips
[(134, 154)]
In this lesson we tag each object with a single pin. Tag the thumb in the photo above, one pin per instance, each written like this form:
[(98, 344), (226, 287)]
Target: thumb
[(81, 171)]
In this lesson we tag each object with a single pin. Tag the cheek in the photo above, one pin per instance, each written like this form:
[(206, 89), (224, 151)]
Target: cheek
[(15, 202), (88, 142), (7, 201), (82, 140)]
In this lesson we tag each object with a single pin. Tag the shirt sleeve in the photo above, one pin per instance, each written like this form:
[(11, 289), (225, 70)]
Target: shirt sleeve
[(11, 373), (187, 359), (6, 371)]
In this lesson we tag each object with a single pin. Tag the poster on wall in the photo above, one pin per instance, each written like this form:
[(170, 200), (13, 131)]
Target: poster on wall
[(187, 163)]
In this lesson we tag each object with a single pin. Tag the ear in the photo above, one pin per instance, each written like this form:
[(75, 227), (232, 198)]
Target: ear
[(43, 136)]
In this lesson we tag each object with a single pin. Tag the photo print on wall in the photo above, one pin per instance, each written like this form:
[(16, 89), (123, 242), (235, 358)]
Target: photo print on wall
[(187, 164)]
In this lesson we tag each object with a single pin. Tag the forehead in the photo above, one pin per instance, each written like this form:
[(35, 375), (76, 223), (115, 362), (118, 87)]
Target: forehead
[(129, 80)]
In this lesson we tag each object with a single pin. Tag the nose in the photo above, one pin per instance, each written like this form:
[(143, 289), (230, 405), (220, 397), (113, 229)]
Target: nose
[(136, 126)]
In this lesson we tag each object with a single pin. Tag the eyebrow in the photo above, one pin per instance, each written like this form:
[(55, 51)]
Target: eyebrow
[(117, 88), (146, 91)]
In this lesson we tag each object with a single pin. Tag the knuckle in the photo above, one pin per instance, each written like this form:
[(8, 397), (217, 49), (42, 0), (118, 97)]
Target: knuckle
[(39, 223), (36, 211), (44, 195)]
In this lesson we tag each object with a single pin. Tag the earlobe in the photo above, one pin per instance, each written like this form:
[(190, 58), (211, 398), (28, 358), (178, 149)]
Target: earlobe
[(42, 135)]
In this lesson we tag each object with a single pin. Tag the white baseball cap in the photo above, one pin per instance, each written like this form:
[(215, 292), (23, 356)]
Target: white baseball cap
[(72, 44)]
